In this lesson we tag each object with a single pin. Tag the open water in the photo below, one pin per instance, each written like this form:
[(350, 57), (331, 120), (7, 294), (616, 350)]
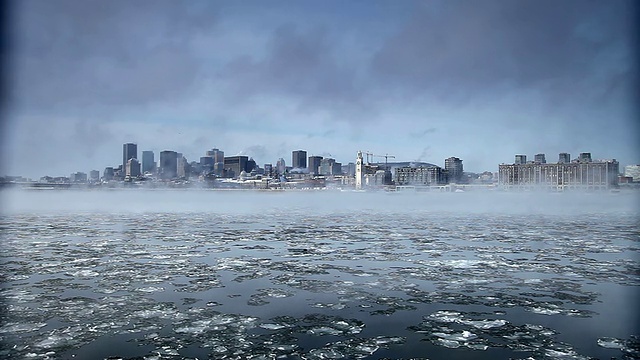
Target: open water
[(164, 274)]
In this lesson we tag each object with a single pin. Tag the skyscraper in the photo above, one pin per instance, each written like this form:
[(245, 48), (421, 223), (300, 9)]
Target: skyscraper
[(299, 159), (453, 167), (564, 158), (218, 161), (585, 157), (540, 159), (129, 151), (107, 174), (327, 166), (133, 168), (314, 164), (521, 159), (148, 161), (234, 165), (281, 166), (168, 164)]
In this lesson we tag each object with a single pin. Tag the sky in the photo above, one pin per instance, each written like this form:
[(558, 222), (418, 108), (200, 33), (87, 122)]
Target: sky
[(420, 80)]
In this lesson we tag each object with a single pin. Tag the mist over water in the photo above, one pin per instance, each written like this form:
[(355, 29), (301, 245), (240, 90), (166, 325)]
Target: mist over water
[(319, 275), (318, 202)]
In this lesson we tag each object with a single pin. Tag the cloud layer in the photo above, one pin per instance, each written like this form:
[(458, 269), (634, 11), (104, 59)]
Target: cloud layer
[(418, 79)]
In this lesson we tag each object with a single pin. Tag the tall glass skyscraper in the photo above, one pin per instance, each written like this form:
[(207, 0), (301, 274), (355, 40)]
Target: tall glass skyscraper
[(148, 161), (129, 151)]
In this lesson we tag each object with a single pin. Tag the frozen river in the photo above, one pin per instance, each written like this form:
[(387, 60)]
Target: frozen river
[(319, 275)]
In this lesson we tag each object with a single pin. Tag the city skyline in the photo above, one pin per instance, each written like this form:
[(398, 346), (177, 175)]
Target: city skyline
[(414, 79)]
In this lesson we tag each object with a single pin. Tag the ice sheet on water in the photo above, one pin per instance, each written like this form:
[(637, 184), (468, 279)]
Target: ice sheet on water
[(629, 347), (452, 329), (377, 267)]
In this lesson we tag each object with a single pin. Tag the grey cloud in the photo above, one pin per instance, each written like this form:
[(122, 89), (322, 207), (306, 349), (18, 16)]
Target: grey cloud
[(302, 65), (69, 55), (460, 49), (90, 136)]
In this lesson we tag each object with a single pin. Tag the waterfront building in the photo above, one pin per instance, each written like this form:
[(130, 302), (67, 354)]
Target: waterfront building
[(421, 176), (78, 177), (234, 165), (328, 167), (350, 169), (583, 173), (206, 164), (453, 167), (182, 168), (539, 158), (168, 164), (632, 171), (129, 151), (281, 167), (251, 166), (584, 157), (521, 159), (564, 158), (218, 160), (94, 175), (108, 174), (132, 168), (268, 169), (336, 169), (299, 159), (314, 164), (148, 162)]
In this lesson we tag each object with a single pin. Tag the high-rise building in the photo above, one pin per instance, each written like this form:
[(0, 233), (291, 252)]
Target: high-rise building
[(107, 174), (521, 159), (234, 165), (206, 164), (585, 157), (539, 159), (133, 168), (251, 165), (314, 164), (327, 166), (564, 158), (350, 169), (129, 151), (281, 166), (94, 175), (78, 177), (168, 164), (453, 167), (218, 160), (299, 159), (182, 167), (148, 161), (268, 169)]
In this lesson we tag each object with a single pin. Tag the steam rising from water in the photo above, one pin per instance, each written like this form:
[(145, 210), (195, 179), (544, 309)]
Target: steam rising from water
[(316, 202)]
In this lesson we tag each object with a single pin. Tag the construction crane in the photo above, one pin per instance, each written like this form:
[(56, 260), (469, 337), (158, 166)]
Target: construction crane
[(369, 154), (386, 158)]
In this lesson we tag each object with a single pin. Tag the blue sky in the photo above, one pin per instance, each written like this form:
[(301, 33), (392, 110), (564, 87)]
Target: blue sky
[(422, 80)]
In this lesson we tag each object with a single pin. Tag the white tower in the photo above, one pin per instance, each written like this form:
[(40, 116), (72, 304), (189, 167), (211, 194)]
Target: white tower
[(359, 166)]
